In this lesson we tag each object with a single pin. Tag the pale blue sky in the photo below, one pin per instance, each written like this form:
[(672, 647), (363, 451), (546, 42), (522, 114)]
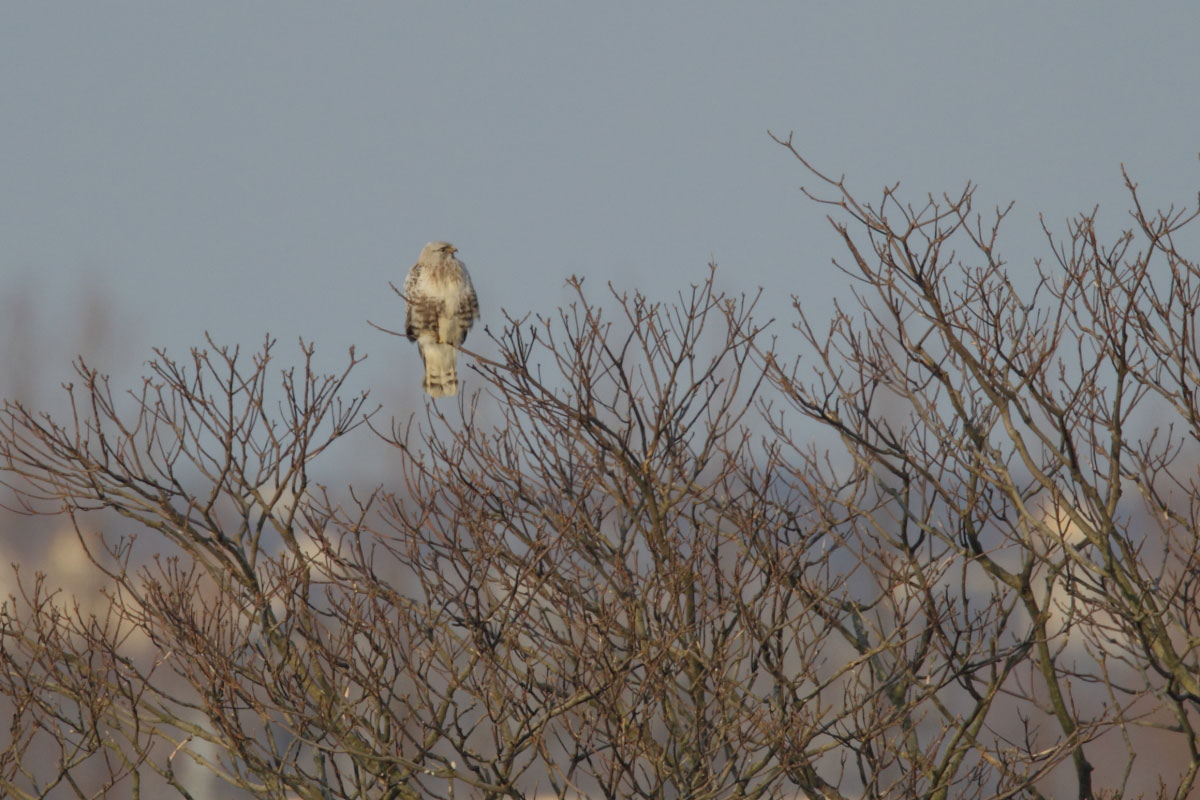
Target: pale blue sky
[(269, 166)]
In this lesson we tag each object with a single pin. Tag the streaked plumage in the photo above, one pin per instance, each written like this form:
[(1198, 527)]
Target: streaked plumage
[(441, 309)]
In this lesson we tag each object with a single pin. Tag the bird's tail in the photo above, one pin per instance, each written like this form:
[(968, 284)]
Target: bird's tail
[(441, 369)]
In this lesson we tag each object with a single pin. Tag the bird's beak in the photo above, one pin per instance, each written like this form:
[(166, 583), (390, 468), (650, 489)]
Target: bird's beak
[(453, 250)]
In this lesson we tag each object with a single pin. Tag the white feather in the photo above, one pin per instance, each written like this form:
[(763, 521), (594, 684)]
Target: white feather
[(441, 368)]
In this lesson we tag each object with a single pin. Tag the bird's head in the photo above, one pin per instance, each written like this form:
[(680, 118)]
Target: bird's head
[(437, 251)]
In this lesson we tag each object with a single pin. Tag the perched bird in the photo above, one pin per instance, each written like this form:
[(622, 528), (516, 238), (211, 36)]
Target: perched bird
[(441, 309)]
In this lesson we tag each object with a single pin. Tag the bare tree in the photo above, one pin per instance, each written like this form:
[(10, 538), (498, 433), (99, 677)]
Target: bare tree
[(1035, 494), (631, 565)]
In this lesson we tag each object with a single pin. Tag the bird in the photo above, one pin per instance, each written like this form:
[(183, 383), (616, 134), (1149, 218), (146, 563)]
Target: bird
[(441, 309)]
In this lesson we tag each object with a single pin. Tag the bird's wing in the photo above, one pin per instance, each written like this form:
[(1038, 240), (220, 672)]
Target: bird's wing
[(412, 298)]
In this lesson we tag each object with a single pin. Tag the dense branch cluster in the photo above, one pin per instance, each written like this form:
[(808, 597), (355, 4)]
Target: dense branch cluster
[(633, 562)]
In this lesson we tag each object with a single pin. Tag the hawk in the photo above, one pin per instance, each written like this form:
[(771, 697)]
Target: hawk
[(441, 309)]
